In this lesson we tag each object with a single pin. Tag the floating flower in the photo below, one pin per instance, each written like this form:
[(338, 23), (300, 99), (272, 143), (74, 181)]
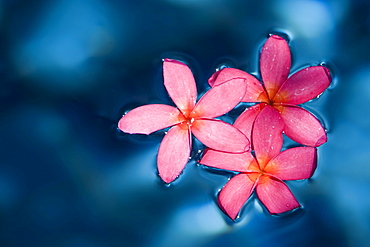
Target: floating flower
[(189, 117), (281, 93), (265, 171)]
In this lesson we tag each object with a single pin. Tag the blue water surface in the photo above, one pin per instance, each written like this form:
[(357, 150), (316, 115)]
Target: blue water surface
[(69, 69)]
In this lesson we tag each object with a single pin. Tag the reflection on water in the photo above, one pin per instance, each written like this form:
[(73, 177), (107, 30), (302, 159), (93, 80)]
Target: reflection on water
[(69, 67)]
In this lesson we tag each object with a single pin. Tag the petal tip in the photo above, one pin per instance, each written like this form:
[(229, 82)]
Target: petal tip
[(247, 148), (230, 213), (213, 78), (321, 140), (169, 60), (124, 126), (314, 161), (288, 208), (275, 36), (327, 72), (167, 179), (120, 124)]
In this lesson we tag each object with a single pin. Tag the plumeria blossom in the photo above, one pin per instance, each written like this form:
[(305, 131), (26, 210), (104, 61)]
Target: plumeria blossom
[(189, 117), (281, 93), (265, 171)]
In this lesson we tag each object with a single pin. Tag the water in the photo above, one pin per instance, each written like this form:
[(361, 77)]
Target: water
[(70, 69)]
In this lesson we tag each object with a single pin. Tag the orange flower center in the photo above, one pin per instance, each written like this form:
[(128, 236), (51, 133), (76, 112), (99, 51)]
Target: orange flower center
[(190, 121), (278, 106), (186, 122), (257, 173)]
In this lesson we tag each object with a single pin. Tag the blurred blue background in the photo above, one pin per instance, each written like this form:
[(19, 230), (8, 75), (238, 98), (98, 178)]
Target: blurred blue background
[(69, 69)]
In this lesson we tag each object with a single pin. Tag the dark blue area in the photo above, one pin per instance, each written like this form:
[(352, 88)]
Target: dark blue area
[(69, 69)]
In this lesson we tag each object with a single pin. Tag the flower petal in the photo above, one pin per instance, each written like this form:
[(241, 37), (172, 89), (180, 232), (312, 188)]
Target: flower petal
[(173, 153), (180, 84), (149, 118), (276, 196), (267, 137), (220, 99), (302, 127), (246, 120), (220, 136), (293, 164), (304, 85), (228, 161), (274, 64), (255, 91), (235, 194)]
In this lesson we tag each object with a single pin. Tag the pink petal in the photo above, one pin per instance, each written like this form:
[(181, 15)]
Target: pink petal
[(149, 118), (255, 91), (228, 161), (220, 99), (276, 196), (235, 194), (220, 136), (304, 85), (293, 164), (302, 127), (173, 153), (180, 85), (246, 120), (274, 64), (267, 137)]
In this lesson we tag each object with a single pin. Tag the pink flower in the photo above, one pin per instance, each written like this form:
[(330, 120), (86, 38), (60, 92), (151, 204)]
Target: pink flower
[(189, 117), (265, 171), (281, 93)]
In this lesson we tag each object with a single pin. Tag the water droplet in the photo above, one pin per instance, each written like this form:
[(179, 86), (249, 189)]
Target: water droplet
[(287, 205), (299, 91)]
